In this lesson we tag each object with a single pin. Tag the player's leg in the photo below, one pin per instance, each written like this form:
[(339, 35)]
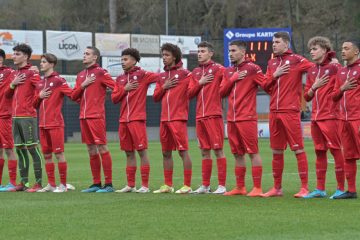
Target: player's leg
[(206, 162), (278, 145), (144, 170), (167, 145), (187, 164), (130, 172), (256, 171), (321, 161), (107, 168), (240, 171)]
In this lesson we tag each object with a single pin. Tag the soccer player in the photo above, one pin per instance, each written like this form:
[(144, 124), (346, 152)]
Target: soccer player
[(131, 91), (172, 90), (347, 91), (284, 83), (205, 86), (22, 90), (319, 87), (6, 138), (240, 84), (52, 90), (90, 90)]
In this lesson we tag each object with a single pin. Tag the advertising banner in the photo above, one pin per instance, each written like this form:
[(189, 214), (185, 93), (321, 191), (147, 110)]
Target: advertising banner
[(146, 44), (68, 45), (111, 44), (11, 38), (187, 44)]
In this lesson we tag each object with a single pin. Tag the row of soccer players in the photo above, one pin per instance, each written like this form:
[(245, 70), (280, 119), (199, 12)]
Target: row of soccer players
[(332, 88)]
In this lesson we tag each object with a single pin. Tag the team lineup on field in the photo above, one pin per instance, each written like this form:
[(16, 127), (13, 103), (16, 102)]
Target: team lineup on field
[(335, 118)]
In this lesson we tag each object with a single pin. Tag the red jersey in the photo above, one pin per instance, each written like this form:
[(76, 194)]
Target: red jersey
[(323, 107), (349, 104), (23, 94), (285, 91), (92, 98), (242, 94), (208, 99), (50, 115), (5, 103), (133, 103), (174, 101)]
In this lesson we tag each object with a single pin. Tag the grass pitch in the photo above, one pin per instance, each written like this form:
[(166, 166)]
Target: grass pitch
[(75, 215)]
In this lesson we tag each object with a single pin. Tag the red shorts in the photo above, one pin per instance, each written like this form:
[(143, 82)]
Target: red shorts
[(325, 135), (210, 133), (350, 138), (6, 136), (285, 128), (93, 131), (174, 135), (133, 136), (52, 140), (243, 137)]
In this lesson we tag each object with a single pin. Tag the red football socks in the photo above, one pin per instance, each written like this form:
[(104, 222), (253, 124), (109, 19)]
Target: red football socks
[(130, 174), (257, 175), (168, 175), (107, 167), (339, 168), (50, 171), (12, 167), (303, 169), (221, 166), (350, 172), (206, 171), (187, 177), (278, 168), (145, 172), (95, 164), (62, 168), (321, 167), (240, 176)]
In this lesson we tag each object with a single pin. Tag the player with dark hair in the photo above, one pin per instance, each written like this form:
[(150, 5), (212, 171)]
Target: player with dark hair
[(205, 86), (172, 90), (240, 84), (347, 91), (22, 90), (6, 138), (90, 90), (131, 91), (319, 87), (284, 83), (49, 101)]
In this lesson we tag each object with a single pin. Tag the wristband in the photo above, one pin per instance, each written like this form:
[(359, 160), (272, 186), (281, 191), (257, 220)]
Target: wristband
[(12, 86)]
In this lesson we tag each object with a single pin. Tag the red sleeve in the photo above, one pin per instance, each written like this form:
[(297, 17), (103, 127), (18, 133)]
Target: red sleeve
[(8, 92), (37, 100), (159, 92), (269, 81), (305, 64), (337, 93), (77, 91), (227, 84), (193, 88), (108, 81), (35, 79), (118, 94), (151, 77), (308, 85)]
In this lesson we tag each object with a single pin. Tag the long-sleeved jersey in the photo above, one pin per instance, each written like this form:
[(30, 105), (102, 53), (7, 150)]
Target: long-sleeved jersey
[(50, 115), (242, 94), (5, 103), (323, 107), (174, 101), (285, 91), (208, 99), (92, 98), (133, 103)]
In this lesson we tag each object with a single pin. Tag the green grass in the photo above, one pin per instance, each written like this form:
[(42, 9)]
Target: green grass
[(76, 215)]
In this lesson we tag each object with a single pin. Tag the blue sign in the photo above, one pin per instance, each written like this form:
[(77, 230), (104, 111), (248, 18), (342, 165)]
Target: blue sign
[(259, 46)]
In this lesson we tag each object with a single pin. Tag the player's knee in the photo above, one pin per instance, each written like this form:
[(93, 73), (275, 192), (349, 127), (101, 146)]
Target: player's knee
[(219, 153), (60, 157), (298, 151), (205, 154), (166, 155), (103, 149)]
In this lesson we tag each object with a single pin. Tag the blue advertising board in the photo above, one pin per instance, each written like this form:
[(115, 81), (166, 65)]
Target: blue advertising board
[(259, 40)]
